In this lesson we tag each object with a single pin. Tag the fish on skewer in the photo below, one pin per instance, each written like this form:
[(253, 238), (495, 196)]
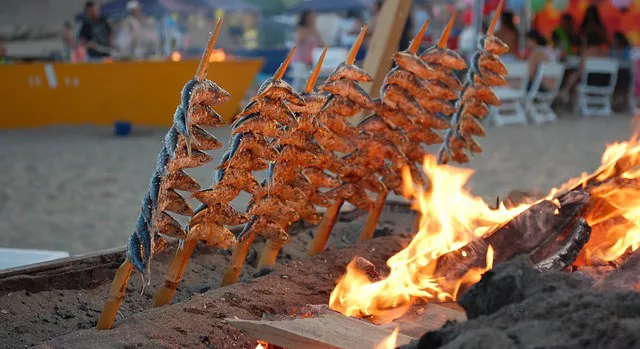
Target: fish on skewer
[(486, 71), (182, 148)]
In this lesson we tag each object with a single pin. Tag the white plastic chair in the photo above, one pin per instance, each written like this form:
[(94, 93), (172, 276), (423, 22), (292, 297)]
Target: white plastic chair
[(596, 100), (512, 98), (538, 103)]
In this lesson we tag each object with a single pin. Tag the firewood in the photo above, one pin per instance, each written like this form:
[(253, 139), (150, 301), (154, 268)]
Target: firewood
[(328, 330), (535, 227), (559, 254)]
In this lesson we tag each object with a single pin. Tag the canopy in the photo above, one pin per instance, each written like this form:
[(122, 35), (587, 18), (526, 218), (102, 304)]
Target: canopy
[(118, 8), (329, 5)]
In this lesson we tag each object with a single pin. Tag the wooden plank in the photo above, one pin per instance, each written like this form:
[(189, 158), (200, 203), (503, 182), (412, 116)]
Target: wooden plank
[(331, 330), (426, 318), (383, 44)]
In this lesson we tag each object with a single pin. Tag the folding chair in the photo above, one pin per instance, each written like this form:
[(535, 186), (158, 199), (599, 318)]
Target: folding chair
[(511, 109), (596, 99), (538, 103)]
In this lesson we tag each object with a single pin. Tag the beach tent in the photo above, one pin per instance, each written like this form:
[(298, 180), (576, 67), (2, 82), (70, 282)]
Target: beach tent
[(330, 5)]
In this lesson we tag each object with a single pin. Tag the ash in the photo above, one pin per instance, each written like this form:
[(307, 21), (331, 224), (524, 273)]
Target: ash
[(516, 306)]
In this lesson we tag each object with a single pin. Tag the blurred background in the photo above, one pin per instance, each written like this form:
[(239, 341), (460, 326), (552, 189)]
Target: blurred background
[(89, 88)]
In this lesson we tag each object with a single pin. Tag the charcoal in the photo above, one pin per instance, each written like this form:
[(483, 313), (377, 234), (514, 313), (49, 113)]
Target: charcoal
[(517, 306)]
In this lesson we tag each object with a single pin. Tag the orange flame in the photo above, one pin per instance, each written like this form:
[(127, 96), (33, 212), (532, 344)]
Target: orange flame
[(450, 218), (390, 341), (262, 345)]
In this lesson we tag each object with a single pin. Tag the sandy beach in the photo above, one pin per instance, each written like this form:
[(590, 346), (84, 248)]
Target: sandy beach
[(78, 189)]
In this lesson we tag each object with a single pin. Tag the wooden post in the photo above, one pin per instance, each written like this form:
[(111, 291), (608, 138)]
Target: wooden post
[(269, 255), (383, 44)]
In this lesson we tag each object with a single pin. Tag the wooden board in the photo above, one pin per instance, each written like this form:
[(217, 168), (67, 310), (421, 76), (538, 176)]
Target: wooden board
[(336, 331), (383, 44)]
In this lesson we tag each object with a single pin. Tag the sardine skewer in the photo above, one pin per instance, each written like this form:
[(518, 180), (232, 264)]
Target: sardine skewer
[(331, 215), (273, 91), (146, 241)]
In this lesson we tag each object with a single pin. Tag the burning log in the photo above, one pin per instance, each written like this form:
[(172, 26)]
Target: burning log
[(539, 225), (182, 149), (559, 254)]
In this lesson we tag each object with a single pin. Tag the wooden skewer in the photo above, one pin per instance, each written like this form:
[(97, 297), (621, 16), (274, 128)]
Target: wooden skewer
[(447, 31), (116, 294), (279, 74), (206, 55), (179, 262), (269, 255), (239, 255), (417, 40), (494, 21), (311, 82), (356, 45), (319, 242), (372, 220), (174, 274)]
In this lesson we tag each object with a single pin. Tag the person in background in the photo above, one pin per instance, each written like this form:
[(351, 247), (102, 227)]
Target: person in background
[(565, 37), (540, 52), (508, 33), (143, 40), (592, 25), (95, 33), (67, 40), (3, 53), (621, 50), (594, 46), (307, 38)]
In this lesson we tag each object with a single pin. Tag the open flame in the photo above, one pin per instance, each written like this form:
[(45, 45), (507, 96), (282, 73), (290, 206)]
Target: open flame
[(390, 341), (450, 217), (262, 345)]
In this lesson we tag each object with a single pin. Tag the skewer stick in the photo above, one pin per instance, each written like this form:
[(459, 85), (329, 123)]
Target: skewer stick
[(311, 82), (269, 255), (179, 262), (444, 38), (206, 55), (174, 273), (324, 230), (356, 45), (240, 252), (283, 66), (494, 21), (372, 220), (417, 40), (116, 294)]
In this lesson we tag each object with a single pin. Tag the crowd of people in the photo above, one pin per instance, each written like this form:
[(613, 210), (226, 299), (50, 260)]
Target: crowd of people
[(588, 39), (96, 40)]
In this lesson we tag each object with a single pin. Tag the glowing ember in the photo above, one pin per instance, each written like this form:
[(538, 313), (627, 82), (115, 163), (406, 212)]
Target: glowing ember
[(450, 218), (175, 56), (218, 55), (389, 342), (262, 345)]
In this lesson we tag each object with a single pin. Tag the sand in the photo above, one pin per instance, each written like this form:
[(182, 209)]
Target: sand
[(78, 188)]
